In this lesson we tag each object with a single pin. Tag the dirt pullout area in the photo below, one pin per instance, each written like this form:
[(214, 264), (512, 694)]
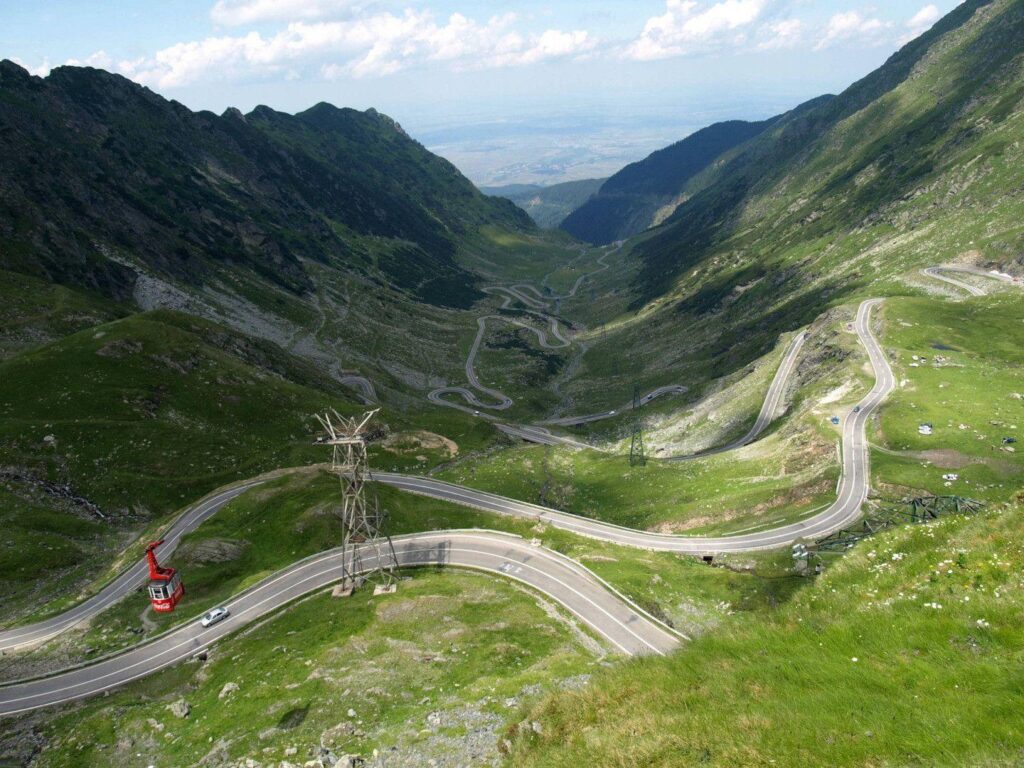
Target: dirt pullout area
[(945, 458), (419, 440), (212, 550)]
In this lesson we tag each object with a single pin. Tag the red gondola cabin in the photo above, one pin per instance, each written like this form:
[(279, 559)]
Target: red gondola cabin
[(165, 587)]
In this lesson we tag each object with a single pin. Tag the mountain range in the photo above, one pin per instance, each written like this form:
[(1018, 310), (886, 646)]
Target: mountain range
[(93, 163), (923, 142), (181, 291)]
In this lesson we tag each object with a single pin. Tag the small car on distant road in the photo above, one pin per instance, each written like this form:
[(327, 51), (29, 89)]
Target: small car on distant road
[(217, 614), (856, 409)]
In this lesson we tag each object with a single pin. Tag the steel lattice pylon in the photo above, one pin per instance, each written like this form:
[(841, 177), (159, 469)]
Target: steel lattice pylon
[(369, 554), (637, 455)]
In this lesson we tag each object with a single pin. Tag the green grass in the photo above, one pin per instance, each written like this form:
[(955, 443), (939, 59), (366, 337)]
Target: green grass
[(147, 414), (301, 670), (710, 495), (289, 518), (34, 312), (975, 383), (310, 654), (857, 670), (503, 255), (43, 547), (850, 204)]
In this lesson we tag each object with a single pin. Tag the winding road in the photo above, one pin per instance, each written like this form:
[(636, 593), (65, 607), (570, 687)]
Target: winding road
[(363, 384), (540, 305), (123, 584), (609, 614), (853, 488), (936, 273), (772, 400), (612, 617)]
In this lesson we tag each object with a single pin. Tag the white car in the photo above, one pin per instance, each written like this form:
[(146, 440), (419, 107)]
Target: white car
[(217, 614)]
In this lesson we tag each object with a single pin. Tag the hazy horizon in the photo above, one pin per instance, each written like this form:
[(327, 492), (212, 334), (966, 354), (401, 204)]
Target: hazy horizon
[(515, 91)]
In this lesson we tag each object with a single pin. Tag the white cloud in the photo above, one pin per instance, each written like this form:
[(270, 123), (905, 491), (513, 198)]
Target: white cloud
[(925, 18), (921, 22), (231, 13), (550, 44), (99, 60), (688, 26), (375, 45), (851, 25), (782, 34), (42, 70)]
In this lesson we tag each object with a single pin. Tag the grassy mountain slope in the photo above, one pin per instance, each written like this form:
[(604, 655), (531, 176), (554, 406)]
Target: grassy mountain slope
[(92, 162), (424, 671), (548, 206), (643, 193), (106, 432), (112, 428), (330, 233), (906, 653), (926, 142), (917, 164), (34, 312)]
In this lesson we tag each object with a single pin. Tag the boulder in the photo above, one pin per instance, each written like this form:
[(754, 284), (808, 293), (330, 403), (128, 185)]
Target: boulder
[(180, 708), (227, 690)]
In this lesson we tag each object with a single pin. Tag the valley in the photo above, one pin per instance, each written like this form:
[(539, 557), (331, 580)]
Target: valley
[(712, 461)]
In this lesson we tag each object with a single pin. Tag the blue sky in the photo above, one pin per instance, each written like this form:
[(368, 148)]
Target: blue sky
[(449, 68)]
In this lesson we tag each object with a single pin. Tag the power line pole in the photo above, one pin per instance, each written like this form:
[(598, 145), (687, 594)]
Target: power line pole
[(637, 456), (368, 554)]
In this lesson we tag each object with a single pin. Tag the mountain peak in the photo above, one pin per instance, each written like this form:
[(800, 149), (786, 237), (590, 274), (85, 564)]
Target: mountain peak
[(385, 120), (13, 69)]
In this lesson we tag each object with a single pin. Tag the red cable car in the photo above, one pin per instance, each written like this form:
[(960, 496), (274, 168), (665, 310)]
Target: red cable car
[(165, 587)]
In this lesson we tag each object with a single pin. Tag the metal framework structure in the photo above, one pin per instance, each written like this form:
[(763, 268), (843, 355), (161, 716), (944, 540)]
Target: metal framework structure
[(920, 509), (637, 455), (369, 553)]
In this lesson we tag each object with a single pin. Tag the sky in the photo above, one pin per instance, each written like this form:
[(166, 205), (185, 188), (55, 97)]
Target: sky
[(510, 90)]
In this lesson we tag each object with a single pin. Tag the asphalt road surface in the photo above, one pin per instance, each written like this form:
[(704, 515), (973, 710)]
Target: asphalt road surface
[(853, 485), (624, 626), (571, 421), (540, 435), (503, 401), (540, 305), (610, 615), (934, 273), (770, 406), (363, 384), (124, 584), (966, 269)]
